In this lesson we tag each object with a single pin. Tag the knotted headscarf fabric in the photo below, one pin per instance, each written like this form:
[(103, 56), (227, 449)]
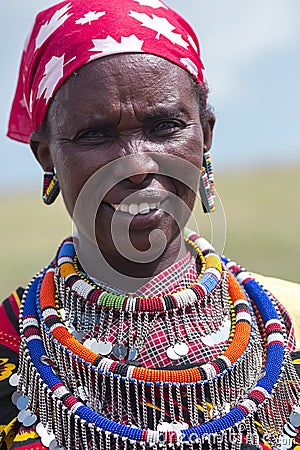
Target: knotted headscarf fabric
[(72, 33)]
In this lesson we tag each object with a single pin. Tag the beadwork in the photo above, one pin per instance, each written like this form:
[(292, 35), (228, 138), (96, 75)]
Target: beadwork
[(36, 349), (50, 188), (89, 306)]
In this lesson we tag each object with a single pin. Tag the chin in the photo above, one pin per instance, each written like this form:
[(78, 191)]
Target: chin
[(141, 246)]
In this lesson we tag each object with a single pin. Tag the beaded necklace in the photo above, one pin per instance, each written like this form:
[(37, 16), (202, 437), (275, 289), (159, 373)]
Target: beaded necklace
[(83, 287), (207, 371), (36, 344), (210, 371), (89, 305), (55, 328)]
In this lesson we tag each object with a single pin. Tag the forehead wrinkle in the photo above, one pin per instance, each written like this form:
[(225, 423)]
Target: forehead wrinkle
[(125, 95)]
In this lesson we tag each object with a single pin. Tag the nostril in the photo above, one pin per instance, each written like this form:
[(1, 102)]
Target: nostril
[(138, 178), (136, 168)]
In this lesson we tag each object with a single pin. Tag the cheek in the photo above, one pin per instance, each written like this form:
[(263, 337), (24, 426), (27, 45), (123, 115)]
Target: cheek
[(190, 147), (188, 193), (72, 176)]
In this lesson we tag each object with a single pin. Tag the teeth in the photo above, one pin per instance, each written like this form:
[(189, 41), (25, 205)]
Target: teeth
[(123, 207), (144, 208), (135, 209)]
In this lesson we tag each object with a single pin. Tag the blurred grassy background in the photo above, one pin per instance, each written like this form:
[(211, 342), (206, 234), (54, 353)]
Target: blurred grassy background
[(262, 213)]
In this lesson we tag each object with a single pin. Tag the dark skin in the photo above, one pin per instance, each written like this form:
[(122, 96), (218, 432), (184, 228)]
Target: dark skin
[(131, 104)]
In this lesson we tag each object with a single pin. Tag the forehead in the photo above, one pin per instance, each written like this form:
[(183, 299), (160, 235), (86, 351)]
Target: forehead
[(138, 81)]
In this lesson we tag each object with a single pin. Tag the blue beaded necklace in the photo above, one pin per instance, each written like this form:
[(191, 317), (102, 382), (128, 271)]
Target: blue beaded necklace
[(32, 340)]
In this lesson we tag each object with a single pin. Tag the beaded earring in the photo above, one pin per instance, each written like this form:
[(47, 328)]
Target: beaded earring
[(207, 185), (50, 187)]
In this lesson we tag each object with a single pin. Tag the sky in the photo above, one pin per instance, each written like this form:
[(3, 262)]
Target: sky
[(251, 52)]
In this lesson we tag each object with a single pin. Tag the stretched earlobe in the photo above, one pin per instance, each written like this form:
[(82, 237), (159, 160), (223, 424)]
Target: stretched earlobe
[(40, 148), (208, 129)]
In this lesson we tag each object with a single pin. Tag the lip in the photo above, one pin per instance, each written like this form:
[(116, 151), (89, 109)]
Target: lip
[(138, 222), (138, 197)]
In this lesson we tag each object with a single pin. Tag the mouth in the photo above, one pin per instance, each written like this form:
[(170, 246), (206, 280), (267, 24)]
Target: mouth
[(134, 208), (143, 213), (139, 203)]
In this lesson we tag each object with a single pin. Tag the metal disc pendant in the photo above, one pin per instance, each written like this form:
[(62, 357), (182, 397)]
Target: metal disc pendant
[(104, 348), (15, 397), (46, 438), (290, 430), (88, 343), (55, 446), (295, 417), (171, 354), (78, 335), (29, 420), (164, 426), (224, 331), (119, 351), (177, 426), (208, 340), (181, 349), (133, 354), (95, 346), (22, 402), (23, 414), (40, 429), (14, 380)]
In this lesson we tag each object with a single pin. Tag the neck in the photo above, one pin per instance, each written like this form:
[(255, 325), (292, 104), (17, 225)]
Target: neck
[(122, 273)]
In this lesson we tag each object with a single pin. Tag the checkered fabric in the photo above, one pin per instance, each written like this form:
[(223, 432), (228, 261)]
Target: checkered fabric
[(153, 355)]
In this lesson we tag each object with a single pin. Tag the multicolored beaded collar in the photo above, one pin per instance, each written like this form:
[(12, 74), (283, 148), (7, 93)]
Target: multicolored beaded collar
[(85, 304), (52, 384), (55, 328), (71, 282)]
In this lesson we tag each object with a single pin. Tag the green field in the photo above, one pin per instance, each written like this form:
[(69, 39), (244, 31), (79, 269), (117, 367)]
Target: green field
[(262, 212)]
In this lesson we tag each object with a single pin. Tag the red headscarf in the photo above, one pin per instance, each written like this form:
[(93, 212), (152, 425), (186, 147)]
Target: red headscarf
[(71, 33)]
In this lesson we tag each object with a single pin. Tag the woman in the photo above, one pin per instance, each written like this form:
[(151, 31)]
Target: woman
[(138, 334)]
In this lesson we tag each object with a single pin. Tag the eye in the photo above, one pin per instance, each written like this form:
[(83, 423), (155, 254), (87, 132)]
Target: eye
[(93, 134), (167, 127)]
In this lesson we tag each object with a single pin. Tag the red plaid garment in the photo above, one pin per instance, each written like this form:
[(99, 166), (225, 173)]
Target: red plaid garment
[(153, 355), (180, 275)]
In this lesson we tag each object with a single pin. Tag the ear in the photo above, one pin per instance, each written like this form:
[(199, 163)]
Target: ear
[(208, 131), (40, 148)]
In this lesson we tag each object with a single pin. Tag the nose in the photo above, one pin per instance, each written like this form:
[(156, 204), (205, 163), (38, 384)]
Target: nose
[(136, 167)]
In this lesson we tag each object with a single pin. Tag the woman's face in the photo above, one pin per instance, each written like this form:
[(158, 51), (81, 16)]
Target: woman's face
[(137, 105)]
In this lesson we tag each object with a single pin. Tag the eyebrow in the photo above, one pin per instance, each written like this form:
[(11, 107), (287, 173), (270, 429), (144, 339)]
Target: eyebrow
[(166, 112)]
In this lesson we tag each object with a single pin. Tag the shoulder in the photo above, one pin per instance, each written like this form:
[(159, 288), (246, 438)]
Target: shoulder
[(12, 433), (288, 295), (9, 348), (9, 319)]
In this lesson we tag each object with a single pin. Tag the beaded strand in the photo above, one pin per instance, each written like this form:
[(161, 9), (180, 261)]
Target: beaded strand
[(257, 396)]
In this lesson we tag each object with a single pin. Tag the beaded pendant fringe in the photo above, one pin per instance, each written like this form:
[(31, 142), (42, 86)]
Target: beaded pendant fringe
[(82, 403)]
